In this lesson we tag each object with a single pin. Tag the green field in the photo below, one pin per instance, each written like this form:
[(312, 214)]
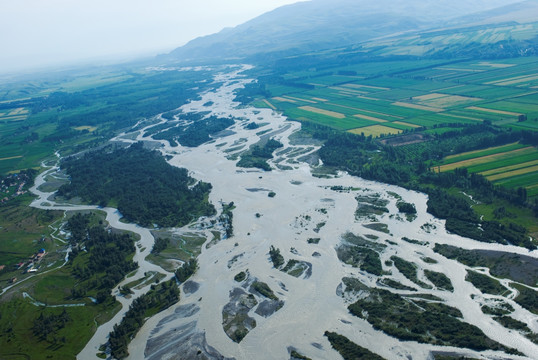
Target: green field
[(513, 165), (66, 112), (484, 152), (435, 94), (18, 341), (395, 98)]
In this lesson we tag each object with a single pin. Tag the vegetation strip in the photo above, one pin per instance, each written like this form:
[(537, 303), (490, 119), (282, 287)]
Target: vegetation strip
[(493, 111), (509, 168), (489, 158), (509, 174)]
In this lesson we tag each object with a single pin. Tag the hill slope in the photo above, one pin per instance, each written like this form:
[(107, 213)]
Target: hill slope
[(319, 24)]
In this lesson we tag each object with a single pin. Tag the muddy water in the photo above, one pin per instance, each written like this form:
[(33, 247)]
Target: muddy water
[(286, 221)]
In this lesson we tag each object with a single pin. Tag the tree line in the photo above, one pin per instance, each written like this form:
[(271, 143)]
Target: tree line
[(159, 298), (365, 157)]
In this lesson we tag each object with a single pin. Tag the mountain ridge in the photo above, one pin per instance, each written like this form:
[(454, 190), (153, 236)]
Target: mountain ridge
[(317, 24)]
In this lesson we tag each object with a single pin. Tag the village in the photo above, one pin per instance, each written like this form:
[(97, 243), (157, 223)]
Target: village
[(31, 265), (12, 186)]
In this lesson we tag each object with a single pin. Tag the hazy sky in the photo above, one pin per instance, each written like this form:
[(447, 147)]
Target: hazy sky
[(35, 33)]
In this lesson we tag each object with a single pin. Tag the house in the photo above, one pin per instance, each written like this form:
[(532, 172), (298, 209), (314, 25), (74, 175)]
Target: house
[(37, 257)]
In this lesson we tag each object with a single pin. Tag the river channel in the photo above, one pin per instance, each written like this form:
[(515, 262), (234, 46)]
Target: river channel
[(303, 207)]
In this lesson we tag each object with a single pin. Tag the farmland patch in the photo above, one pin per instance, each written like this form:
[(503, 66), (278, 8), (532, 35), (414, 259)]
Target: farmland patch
[(406, 124), (11, 158), (495, 65), (445, 100), (323, 112), (331, 80), (509, 168), (341, 124), (483, 152), (513, 173), (349, 91), (375, 131), (300, 99), (359, 86), (417, 107), (360, 116), (524, 180), (501, 112), (12, 115), (270, 105), (461, 117), (515, 80), (429, 96), (489, 158), (364, 110), (281, 99), (503, 162), (89, 128)]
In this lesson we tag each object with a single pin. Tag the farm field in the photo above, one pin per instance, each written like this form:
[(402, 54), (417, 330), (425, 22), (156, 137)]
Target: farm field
[(15, 114), (434, 95), (513, 165), (375, 130), (429, 97)]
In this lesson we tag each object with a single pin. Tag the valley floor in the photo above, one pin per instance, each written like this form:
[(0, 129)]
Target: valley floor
[(306, 219)]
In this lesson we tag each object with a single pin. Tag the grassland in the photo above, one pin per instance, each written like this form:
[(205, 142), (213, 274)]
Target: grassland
[(24, 231), (18, 341)]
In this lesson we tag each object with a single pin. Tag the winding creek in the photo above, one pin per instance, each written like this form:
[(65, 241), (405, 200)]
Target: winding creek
[(311, 304)]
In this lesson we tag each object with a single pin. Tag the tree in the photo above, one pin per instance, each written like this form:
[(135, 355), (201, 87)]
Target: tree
[(276, 257), (187, 270)]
